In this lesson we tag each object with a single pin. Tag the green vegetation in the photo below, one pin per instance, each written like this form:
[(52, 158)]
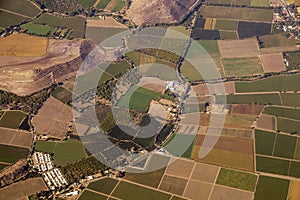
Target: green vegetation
[(77, 24), (88, 195), (12, 119), (102, 4), (116, 69), (261, 99), (229, 25), (290, 99), (237, 179), (36, 29), (179, 143), (64, 152), (271, 188), (264, 142), (62, 95), (276, 40), (272, 165), (274, 83), (128, 191), (2, 166), (285, 146), (295, 169), (138, 98), (291, 113), (10, 19), (239, 67), (260, 3), (82, 168), (288, 126), (22, 7), (105, 185), (100, 34), (87, 3), (11, 154), (228, 35), (119, 6)]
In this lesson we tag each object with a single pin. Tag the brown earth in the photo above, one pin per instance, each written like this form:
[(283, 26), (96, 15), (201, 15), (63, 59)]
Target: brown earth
[(246, 109), (108, 22), (239, 145), (273, 62), (228, 132), (226, 193), (202, 89), (294, 192), (205, 172), (266, 122), (238, 48), (173, 185), (181, 168), (23, 189), (143, 12), (198, 190), (16, 137)]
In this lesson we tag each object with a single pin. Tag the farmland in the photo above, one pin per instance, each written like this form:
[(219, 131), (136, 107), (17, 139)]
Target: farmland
[(11, 154), (250, 29), (11, 19), (22, 7), (64, 152), (87, 3), (89, 195), (62, 94), (288, 126), (16, 137), (261, 99), (264, 142), (23, 45), (12, 119), (105, 185), (100, 34), (282, 112), (273, 62)]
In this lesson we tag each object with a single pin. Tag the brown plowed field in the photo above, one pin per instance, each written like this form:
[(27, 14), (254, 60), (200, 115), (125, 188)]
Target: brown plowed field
[(266, 122), (202, 89), (246, 109), (273, 62), (238, 48)]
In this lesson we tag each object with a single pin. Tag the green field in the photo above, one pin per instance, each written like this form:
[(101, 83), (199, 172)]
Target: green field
[(240, 67), (11, 154), (12, 119), (87, 3), (23, 7), (10, 19), (291, 99), (276, 40), (105, 185), (272, 165), (282, 112), (285, 146), (88, 195), (229, 25), (139, 99), (2, 166), (64, 152), (260, 3), (288, 126), (228, 35), (271, 188), (36, 29), (264, 142), (297, 153), (116, 69), (295, 169), (274, 83), (260, 99), (102, 4), (119, 6), (179, 143), (77, 24), (62, 95), (237, 179), (134, 57), (100, 34), (212, 48), (128, 191)]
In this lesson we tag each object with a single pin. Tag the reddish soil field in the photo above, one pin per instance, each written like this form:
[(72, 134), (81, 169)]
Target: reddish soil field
[(266, 122), (181, 168), (239, 145), (202, 89), (238, 48), (246, 109), (273, 62)]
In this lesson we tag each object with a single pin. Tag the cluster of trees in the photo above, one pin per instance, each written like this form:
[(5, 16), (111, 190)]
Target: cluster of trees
[(293, 58)]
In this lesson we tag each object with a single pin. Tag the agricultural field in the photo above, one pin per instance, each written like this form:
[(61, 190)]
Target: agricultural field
[(62, 94), (18, 138), (245, 109), (100, 34), (273, 62), (276, 40), (184, 140), (235, 13), (241, 67), (77, 24), (282, 112), (20, 7), (200, 34), (12, 119), (89, 195), (228, 35), (113, 5), (270, 84), (288, 126), (22, 189), (251, 29), (105, 185), (11, 19), (264, 142), (271, 188), (260, 3), (87, 3), (266, 122), (102, 4), (11, 154), (261, 99), (23, 45), (237, 179), (64, 152)]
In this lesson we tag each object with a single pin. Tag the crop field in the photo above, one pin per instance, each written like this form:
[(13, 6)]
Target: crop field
[(64, 152), (276, 40), (89, 195), (16, 137), (247, 14), (115, 5), (204, 172), (270, 84), (285, 146), (87, 3), (173, 185), (210, 24), (62, 95), (260, 3), (228, 132), (12, 119), (238, 48), (200, 34), (261, 99), (22, 189), (221, 192), (184, 140), (294, 192), (230, 2), (180, 168), (288, 126), (22, 7), (273, 62), (116, 69), (108, 22), (99, 34), (102, 4), (77, 24), (105, 185), (282, 112), (23, 45), (251, 29), (241, 67), (10, 19), (228, 25), (266, 122), (228, 35), (272, 165), (264, 142), (42, 30), (246, 109), (271, 188), (140, 99), (11, 154), (202, 89), (237, 179), (294, 169), (129, 191), (290, 99)]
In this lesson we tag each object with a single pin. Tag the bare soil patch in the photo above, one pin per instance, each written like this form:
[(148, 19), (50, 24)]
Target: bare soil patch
[(108, 22), (205, 172), (209, 89), (181, 168), (198, 190), (266, 122), (246, 109), (16, 137), (273, 62), (238, 48), (225, 193)]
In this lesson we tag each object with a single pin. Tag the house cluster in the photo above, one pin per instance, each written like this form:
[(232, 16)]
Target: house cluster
[(52, 176)]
